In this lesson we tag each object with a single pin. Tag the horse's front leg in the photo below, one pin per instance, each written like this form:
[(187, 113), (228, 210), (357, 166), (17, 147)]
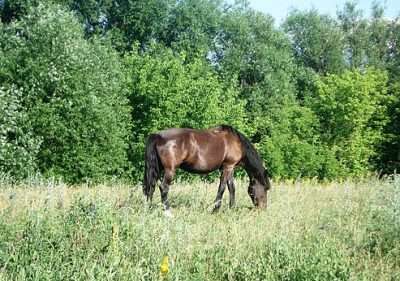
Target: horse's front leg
[(225, 175), (164, 188)]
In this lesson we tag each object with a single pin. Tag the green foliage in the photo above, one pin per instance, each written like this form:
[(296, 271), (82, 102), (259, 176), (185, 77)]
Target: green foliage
[(383, 229), (293, 147), (18, 147), (389, 150), (124, 22), (274, 260), (286, 131), (265, 77), (351, 108), (192, 26), (138, 20), (71, 92), (317, 41), (355, 29), (264, 72), (389, 158), (366, 40), (14, 9)]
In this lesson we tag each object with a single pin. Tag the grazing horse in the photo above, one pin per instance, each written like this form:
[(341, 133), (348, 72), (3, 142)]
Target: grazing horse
[(204, 151)]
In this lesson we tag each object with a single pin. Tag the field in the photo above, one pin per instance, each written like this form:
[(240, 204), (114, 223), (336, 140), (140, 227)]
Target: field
[(310, 231)]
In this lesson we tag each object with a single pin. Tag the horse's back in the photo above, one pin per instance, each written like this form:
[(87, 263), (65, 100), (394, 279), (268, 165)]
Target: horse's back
[(203, 136), (174, 132)]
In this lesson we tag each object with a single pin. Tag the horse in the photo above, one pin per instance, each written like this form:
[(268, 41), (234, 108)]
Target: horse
[(203, 151)]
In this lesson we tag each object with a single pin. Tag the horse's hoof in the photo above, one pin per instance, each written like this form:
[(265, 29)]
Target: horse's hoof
[(168, 214)]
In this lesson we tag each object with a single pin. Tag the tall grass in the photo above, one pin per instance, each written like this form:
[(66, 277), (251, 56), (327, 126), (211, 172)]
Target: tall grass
[(310, 231)]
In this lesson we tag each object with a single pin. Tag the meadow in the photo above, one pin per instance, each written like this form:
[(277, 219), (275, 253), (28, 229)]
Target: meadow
[(346, 230)]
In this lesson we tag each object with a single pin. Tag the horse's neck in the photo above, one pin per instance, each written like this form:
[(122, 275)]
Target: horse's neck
[(253, 172)]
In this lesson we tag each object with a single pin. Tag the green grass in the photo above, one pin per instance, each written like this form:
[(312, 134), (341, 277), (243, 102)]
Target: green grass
[(310, 231)]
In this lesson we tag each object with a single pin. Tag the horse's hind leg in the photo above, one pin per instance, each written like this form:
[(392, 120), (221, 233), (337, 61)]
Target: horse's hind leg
[(164, 187)]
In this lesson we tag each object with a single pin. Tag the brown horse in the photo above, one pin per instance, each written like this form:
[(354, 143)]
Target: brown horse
[(203, 151)]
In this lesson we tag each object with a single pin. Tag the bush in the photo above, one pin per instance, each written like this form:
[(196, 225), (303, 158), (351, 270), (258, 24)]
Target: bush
[(351, 109), (382, 234), (72, 92), (18, 147), (293, 148)]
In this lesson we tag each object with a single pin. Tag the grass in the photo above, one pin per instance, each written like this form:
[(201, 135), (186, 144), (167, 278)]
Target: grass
[(310, 231)]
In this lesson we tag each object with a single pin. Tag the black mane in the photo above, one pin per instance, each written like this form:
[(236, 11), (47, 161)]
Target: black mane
[(252, 161)]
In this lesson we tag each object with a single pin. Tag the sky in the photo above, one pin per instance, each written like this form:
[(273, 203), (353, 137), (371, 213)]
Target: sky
[(279, 9)]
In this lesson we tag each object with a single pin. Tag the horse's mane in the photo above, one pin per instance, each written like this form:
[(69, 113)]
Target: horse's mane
[(253, 163)]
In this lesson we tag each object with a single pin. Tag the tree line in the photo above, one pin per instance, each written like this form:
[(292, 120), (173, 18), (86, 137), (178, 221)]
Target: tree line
[(83, 82)]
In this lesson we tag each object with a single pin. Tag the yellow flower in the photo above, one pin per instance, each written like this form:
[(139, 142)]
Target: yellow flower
[(164, 266)]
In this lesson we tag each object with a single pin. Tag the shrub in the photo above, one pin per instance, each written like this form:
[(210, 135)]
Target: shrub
[(351, 108), (18, 147), (72, 93)]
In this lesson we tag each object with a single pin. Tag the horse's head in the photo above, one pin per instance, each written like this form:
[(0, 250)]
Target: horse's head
[(259, 193)]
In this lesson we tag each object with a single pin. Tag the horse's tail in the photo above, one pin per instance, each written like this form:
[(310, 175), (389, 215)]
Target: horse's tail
[(152, 166)]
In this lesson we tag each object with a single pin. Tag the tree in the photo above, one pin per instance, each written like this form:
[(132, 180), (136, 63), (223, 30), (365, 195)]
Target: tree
[(192, 27), (389, 158), (317, 41), (259, 56), (71, 91), (352, 108), (377, 49), (250, 51), (124, 21), (355, 29)]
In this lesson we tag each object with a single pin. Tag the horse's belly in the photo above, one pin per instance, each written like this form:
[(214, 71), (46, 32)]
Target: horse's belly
[(201, 164), (198, 169)]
